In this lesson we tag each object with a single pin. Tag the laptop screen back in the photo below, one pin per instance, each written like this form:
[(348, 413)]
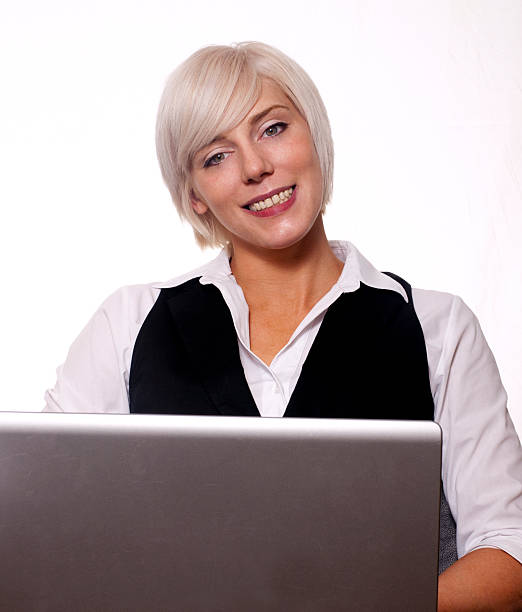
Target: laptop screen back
[(140, 512)]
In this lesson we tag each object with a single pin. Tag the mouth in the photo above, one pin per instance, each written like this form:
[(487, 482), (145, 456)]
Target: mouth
[(270, 200)]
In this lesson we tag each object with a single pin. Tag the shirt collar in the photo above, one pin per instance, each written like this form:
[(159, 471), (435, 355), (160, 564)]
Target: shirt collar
[(217, 269), (357, 269)]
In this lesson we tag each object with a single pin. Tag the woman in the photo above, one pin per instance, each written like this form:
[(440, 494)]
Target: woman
[(283, 322)]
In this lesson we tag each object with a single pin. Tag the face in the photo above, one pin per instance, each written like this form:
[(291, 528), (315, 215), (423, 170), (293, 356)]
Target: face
[(262, 179)]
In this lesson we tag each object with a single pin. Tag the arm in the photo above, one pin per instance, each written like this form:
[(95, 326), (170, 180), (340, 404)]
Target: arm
[(484, 579), (94, 376), (482, 460), (90, 379)]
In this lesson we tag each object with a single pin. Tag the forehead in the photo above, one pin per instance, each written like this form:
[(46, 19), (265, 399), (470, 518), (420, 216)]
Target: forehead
[(271, 94), (271, 97)]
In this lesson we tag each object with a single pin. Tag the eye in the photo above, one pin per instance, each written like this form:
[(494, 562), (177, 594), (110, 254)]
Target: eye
[(275, 129), (215, 159)]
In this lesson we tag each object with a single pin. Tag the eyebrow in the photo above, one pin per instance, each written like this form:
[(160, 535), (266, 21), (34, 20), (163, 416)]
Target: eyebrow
[(265, 112), (251, 121)]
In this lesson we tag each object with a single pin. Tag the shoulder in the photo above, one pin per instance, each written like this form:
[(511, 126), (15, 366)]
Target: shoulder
[(443, 316), (128, 306), (129, 303), (95, 374)]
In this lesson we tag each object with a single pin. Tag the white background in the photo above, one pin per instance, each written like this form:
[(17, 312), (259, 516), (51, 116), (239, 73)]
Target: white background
[(425, 101)]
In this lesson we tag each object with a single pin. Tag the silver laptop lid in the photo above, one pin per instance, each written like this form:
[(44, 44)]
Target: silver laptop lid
[(139, 512)]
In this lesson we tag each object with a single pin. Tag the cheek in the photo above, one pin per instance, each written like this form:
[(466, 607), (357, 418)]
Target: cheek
[(303, 155), (213, 190)]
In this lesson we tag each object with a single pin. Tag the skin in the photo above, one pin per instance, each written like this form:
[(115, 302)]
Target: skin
[(486, 579), (284, 265)]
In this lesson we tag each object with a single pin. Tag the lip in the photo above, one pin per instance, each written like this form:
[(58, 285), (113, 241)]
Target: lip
[(277, 209), (264, 196)]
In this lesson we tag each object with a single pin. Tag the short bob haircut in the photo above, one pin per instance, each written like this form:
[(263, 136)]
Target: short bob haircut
[(210, 93)]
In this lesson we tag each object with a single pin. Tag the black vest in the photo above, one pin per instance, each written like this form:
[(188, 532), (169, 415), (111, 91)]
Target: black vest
[(368, 361)]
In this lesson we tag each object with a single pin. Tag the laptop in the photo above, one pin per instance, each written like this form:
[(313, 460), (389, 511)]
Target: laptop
[(159, 513)]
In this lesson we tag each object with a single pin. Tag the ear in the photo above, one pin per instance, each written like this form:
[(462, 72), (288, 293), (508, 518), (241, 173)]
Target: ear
[(198, 205)]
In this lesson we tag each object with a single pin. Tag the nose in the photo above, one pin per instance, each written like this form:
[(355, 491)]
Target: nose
[(255, 163)]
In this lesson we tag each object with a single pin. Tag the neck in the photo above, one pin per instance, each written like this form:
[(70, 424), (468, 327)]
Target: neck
[(301, 273)]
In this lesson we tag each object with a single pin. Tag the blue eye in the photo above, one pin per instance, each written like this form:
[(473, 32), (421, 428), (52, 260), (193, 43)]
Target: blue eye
[(216, 159), (275, 129)]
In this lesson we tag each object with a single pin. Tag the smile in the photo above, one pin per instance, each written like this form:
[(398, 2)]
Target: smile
[(276, 198), (286, 199)]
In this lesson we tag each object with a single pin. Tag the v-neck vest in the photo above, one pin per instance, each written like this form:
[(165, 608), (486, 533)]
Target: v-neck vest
[(368, 361)]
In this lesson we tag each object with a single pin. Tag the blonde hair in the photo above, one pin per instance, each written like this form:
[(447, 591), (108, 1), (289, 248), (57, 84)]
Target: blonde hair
[(209, 94)]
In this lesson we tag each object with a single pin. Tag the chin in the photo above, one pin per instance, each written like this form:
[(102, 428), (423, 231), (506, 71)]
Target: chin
[(283, 242)]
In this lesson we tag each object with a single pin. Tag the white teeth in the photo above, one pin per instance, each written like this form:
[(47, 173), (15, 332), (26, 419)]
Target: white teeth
[(277, 198)]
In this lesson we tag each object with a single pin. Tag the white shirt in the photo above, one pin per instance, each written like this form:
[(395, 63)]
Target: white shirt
[(481, 458)]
